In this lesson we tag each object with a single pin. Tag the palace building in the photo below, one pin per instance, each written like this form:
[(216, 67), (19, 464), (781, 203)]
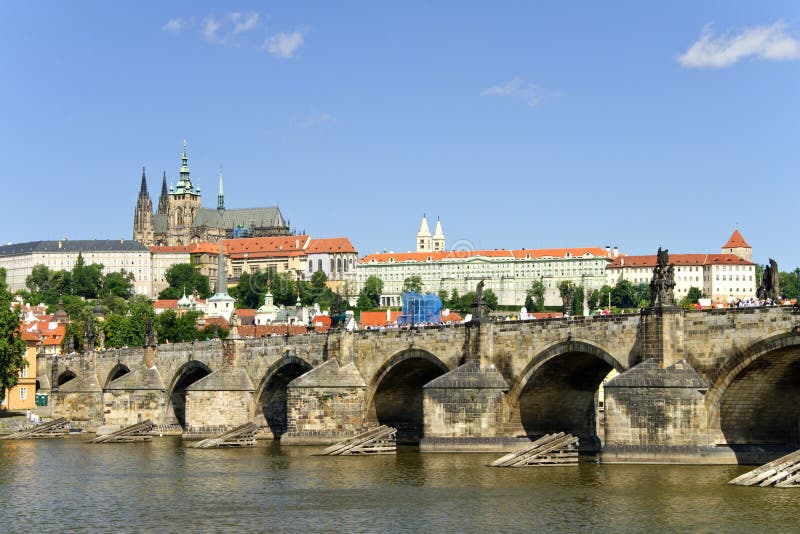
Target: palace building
[(180, 219)]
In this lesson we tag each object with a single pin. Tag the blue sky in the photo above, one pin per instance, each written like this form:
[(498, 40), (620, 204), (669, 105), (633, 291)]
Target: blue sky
[(520, 124)]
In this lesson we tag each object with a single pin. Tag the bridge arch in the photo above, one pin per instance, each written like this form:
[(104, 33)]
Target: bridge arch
[(185, 376), (557, 390), (119, 370), (394, 395), (65, 377), (271, 393), (756, 398)]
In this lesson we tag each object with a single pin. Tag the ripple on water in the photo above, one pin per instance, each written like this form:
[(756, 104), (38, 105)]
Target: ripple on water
[(162, 485)]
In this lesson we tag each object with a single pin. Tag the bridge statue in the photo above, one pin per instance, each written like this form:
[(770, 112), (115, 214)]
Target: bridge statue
[(150, 337), (478, 304), (769, 288), (663, 281), (567, 296), (89, 336)]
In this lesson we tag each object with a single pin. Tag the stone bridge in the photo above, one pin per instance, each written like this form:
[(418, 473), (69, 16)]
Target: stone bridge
[(715, 386)]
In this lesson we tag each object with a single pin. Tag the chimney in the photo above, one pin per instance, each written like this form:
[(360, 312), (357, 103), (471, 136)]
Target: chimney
[(59, 244), (616, 251), (608, 251)]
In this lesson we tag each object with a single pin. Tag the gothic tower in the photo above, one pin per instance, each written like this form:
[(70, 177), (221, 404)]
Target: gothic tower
[(143, 217), (163, 200), (438, 237), (183, 205), (424, 236)]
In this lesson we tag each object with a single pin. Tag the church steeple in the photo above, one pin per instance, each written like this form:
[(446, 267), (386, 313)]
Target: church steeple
[(163, 200), (184, 182), (438, 237), (143, 216), (221, 194), (424, 236), (143, 188)]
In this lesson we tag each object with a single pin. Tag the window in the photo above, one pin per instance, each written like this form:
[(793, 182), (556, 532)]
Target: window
[(23, 393), (23, 373)]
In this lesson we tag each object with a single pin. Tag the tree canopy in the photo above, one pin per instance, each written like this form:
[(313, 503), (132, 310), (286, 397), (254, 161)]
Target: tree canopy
[(370, 295), (413, 284), (183, 277), (12, 348)]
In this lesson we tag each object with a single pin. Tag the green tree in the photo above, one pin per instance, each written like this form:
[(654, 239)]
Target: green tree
[(250, 290), (87, 280), (284, 290), (788, 284), (455, 300), (442, 294), (489, 299), (183, 277), (177, 329), (118, 284), (622, 295), (694, 294), (536, 295), (12, 348), (529, 304), (39, 279), (641, 295), (577, 301), (370, 295), (413, 284), (600, 297)]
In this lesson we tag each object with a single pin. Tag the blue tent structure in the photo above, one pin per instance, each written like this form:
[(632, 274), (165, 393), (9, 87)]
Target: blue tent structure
[(419, 309)]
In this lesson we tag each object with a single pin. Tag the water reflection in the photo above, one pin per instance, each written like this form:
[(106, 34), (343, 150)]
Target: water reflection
[(66, 484)]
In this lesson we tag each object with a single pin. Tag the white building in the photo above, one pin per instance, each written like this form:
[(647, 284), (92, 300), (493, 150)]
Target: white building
[(723, 277), (114, 254), (162, 259)]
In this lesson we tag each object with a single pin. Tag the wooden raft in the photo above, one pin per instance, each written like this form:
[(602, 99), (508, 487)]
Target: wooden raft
[(781, 473), (52, 429), (241, 436), (551, 449), (129, 434), (378, 440)]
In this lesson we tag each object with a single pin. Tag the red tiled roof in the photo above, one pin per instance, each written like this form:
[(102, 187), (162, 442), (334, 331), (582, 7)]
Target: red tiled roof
[(330, 244), (378, 318), (246, 312), (459, 254), (322, 320), (266, 330), (546, 315), (452, 317), (678, 260), (736, 241), (166, 304)]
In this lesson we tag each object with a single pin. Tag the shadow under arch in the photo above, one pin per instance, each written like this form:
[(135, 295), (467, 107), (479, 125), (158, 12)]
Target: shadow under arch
[(394, 395), (755, 401), (557, 390), (271, 393), (65, 377), (185, 376), (119, 370)]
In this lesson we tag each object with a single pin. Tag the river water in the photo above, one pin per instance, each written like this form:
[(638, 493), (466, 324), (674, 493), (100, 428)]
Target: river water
[(68, 485)]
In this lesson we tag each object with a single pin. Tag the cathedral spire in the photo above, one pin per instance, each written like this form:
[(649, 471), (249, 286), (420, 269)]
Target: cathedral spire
[(163, 200), (221, 194), (184, 182), (143, 189)]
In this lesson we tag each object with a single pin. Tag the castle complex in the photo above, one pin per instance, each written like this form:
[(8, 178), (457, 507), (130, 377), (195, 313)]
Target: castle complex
[(181, 220)]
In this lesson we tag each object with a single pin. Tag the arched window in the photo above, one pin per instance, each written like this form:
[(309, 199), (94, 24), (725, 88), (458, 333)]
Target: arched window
[(319, 265), (333, 265), (179, 217), (339, 264)]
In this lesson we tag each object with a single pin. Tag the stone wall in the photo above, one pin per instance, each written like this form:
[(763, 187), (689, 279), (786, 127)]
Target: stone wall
[(211, 412), (124, 408)]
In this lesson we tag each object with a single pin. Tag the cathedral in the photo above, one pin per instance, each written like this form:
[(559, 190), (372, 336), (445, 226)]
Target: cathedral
[(180, 219)]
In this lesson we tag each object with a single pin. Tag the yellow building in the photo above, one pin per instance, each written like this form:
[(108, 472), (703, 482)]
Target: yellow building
[(23, 395)]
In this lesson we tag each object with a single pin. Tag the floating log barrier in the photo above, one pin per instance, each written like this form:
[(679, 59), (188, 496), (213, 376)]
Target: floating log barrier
[(241, 436), (378, 440), (129, 434), (781, 473), (551, 449), (52, 429)]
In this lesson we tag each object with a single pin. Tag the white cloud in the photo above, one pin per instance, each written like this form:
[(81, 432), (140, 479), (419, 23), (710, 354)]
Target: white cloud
[(318, 119), (210, 28), (518, 89), (284, 44), (773, 42), (243, 22), (173, 25)]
